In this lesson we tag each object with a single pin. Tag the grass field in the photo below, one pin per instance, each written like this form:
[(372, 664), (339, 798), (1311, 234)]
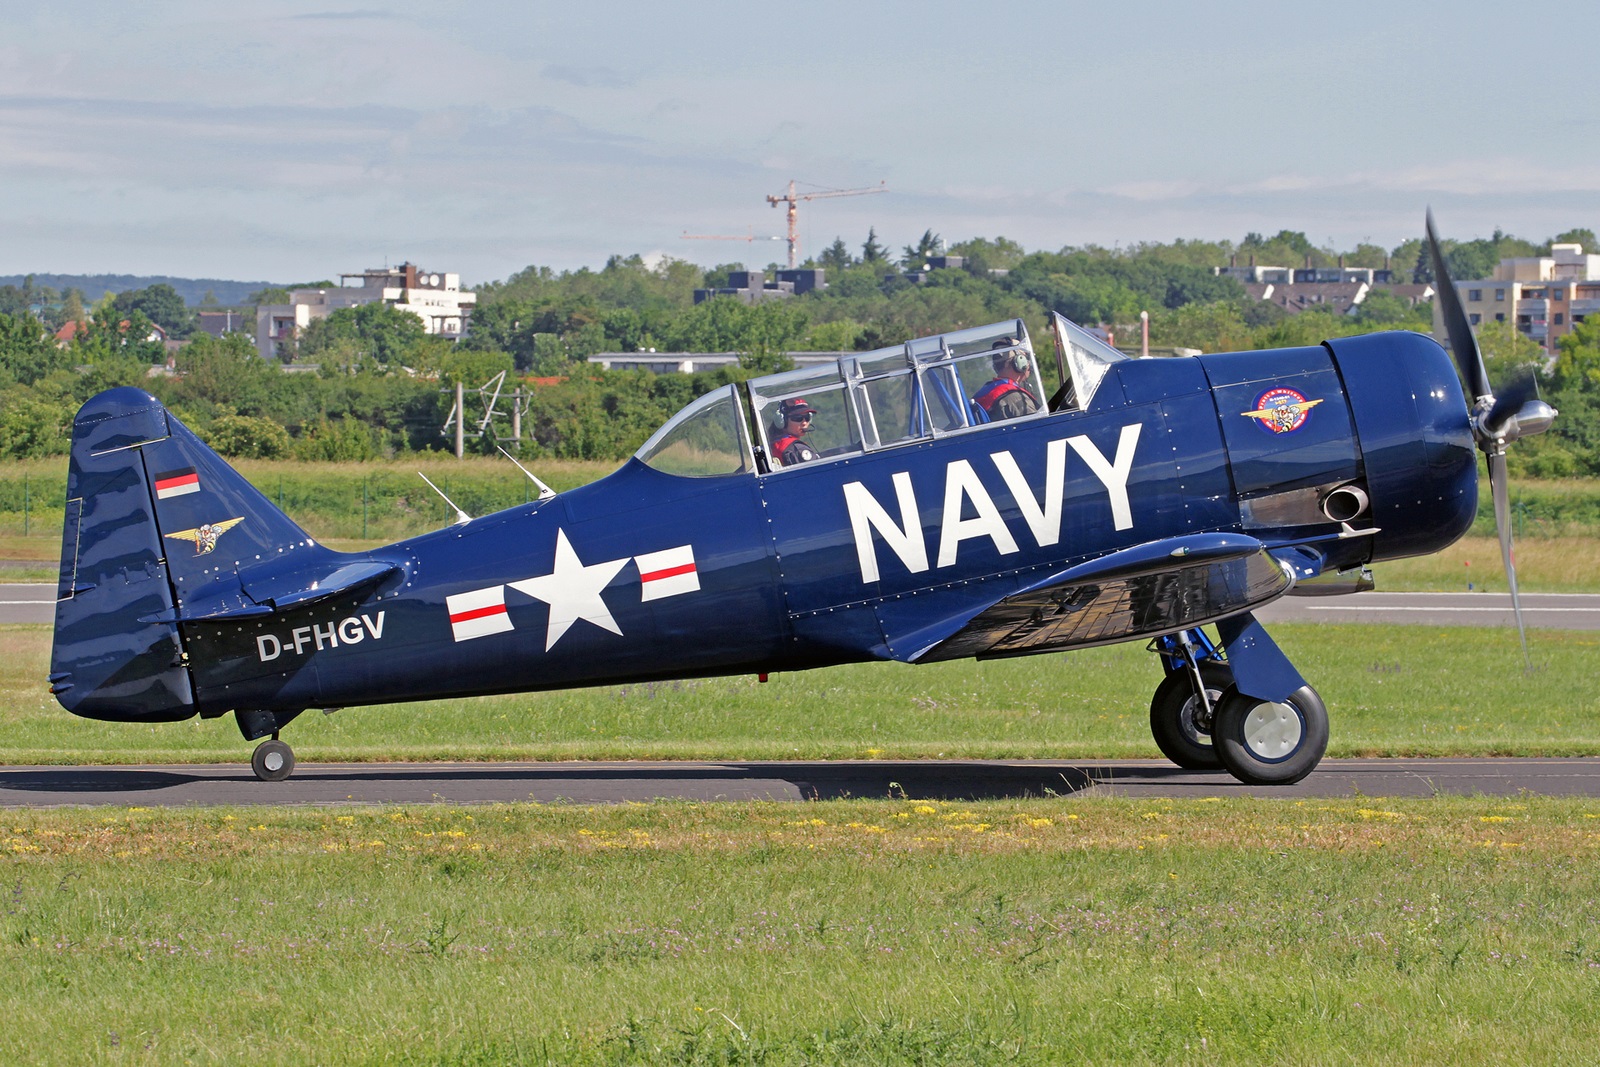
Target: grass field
[(1391, 690), (879, 931), (1036, 932)]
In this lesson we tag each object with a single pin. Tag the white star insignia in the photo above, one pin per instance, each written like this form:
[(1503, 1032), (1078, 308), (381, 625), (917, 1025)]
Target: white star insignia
[(573, 591)]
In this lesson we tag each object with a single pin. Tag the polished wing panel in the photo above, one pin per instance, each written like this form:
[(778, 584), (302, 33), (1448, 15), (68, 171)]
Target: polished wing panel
[(1153, 589)]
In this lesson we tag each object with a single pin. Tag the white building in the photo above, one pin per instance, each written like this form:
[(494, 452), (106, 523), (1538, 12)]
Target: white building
[(436, 299)]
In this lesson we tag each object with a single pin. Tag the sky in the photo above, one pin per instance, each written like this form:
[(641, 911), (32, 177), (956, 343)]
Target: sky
[(290, 141)]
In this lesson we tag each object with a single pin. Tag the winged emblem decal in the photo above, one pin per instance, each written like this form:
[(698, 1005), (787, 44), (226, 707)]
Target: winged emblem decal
[(1281, 410), (205, 535)]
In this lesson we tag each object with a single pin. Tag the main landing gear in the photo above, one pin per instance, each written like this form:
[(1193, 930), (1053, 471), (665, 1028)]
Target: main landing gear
[(1201, 721)]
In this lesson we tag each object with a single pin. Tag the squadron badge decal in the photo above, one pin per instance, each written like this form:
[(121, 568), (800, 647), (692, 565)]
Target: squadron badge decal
[(205, 535), (1281, 410)]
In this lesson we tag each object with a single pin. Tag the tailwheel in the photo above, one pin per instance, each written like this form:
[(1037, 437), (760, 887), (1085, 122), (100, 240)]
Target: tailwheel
[(1265, 742), (272, 761), (1182, 723)]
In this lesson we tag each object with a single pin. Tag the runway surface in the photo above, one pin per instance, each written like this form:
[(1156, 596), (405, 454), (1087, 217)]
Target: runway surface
[(1557, 611), (34, 602), (27, 602), (613, 783)]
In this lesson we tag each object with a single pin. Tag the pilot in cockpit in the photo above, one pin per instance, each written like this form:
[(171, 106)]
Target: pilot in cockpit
[(1007, 396), (787, 434)]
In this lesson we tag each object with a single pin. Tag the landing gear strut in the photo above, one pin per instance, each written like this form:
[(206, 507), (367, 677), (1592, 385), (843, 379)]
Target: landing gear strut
[(273, 761), (1184, 706), (1201, 721)]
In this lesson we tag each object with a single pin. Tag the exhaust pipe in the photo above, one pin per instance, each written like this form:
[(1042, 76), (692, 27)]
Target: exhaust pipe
[(1345, 502)]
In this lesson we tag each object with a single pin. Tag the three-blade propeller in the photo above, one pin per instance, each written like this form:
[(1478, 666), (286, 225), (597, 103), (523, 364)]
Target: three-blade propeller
[(1496, 421)]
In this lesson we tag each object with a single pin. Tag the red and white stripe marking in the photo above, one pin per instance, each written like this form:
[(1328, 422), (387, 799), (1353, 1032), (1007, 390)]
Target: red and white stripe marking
[(177, 483), (668, 572), (478, 613)]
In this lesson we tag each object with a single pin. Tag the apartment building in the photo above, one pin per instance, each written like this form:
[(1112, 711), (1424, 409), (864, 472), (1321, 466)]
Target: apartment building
[(436, 299), (1543, 296)]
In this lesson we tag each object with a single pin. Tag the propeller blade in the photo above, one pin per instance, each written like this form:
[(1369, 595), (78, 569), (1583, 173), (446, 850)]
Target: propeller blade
[(1502, 526), (1462, 342)]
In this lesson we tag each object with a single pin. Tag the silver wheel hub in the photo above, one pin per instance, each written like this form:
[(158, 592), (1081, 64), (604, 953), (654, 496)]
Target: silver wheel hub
[(273, 761), (1273, 731), (1194, 721)]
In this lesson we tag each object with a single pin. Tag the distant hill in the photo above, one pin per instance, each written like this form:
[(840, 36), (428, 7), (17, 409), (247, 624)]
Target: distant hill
[(193, 290)]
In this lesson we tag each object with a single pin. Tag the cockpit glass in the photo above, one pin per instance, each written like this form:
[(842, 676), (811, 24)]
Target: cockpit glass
[(832, 430), (702, 440), (925, 388), (1087, 359)]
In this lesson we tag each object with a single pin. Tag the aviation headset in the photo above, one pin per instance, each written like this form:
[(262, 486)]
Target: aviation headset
[(793, 408), (1014, 358)]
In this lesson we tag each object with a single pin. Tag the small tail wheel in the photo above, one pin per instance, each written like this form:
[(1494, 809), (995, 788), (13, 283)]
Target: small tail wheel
[(1264, 742), (273, 761), (1180, 723)]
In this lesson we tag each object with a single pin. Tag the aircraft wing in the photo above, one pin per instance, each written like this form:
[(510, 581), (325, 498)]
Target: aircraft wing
[(1172, 584)]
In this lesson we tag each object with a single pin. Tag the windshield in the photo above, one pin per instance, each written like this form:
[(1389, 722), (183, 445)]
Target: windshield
[(704, 439), (1087, 359)]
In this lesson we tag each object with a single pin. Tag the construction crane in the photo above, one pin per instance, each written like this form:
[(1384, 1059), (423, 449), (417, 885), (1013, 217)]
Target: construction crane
[(793, 200), (687, 236)]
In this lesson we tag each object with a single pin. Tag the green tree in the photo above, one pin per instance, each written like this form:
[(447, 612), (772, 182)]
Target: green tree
[(224, 374), (112, 336), (872, 251), (379, 331), (1581, 236), (27, 352), (915, 257), (1577, 363), (12, 302), (1508, 353), (32, 426), (1383, 309), (836, 257), (984, 254), (161, 304), (840, 335), (72, 306), (247, 437), (339, 441)]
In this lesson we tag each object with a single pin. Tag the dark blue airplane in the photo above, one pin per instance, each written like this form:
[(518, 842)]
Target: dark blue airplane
[(938, 509)]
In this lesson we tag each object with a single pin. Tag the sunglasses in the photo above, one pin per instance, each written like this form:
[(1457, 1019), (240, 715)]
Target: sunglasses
[(801, 416)]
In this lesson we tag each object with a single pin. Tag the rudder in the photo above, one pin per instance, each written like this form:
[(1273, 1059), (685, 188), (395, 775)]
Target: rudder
[(154, 518)]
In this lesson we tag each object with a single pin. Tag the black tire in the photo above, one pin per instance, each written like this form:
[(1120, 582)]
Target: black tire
[(1173, 711), (272, 761), (1264, 743)]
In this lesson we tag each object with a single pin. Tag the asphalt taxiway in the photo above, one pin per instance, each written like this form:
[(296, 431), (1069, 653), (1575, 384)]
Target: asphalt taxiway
[(621, 782)]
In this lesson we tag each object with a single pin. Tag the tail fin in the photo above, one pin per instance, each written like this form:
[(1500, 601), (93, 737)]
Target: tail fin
[(155, 519)]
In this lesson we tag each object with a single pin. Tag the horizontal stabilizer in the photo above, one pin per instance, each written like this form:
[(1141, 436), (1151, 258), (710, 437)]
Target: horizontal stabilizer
[(296, 588)]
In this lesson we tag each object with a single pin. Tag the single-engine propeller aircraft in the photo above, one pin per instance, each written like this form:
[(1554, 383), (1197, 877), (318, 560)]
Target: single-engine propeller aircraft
[(927, 517)]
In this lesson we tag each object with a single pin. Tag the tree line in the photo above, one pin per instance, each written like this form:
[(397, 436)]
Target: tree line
[(381, 385)]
